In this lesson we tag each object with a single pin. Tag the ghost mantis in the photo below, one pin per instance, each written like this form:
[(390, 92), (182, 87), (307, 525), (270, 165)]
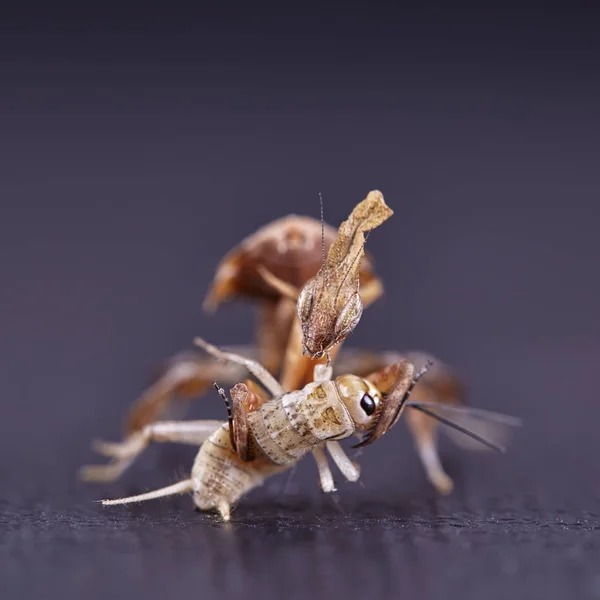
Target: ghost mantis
[(310, 284)]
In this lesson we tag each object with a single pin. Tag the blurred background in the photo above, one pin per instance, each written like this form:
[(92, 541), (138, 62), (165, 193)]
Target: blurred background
[(137, 146)]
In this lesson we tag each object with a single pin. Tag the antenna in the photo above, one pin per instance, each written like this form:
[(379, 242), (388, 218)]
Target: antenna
[(322, 232)]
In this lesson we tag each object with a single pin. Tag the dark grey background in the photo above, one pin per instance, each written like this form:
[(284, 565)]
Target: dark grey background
[(137, 147)]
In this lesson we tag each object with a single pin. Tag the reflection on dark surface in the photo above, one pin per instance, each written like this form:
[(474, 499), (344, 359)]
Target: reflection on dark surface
[(291, 551)]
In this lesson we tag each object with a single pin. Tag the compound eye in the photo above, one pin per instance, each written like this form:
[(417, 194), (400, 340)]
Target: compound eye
[(349, 317), (305, 302), (368, 405)]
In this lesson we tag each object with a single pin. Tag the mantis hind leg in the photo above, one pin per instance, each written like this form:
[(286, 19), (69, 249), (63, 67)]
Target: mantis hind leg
[(424, 429)]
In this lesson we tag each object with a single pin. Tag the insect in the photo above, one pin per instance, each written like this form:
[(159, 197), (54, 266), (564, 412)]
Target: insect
[(265, 436), (288, 251), (330, 304), (310, 284)]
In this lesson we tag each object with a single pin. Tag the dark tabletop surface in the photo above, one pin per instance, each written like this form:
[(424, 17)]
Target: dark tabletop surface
[(137, 149)]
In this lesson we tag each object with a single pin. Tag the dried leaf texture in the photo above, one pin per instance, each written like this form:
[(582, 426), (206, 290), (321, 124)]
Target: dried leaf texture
[(329, 305)]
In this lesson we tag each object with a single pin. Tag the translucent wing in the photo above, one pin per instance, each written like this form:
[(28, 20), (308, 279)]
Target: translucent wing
[(471, 428)]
